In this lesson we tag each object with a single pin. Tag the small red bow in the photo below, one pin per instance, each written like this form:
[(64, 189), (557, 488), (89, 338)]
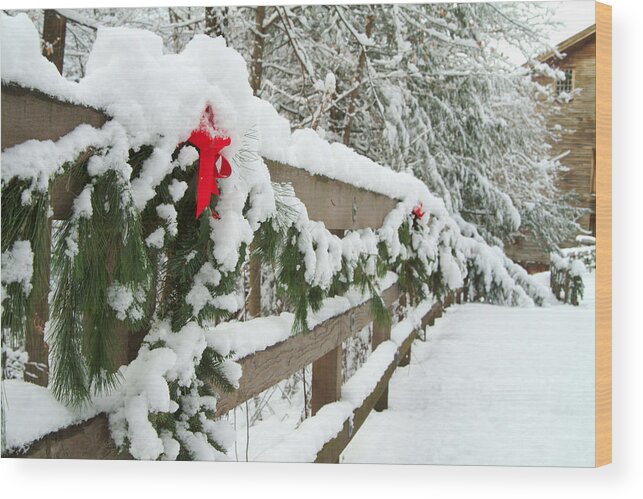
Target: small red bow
[(209, 144), (418, 211)]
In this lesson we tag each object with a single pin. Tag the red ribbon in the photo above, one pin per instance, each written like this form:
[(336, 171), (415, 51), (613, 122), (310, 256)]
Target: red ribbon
[(419, 211), (209, 146)]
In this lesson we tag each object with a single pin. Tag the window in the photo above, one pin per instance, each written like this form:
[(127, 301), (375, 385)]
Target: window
[(567, 85)]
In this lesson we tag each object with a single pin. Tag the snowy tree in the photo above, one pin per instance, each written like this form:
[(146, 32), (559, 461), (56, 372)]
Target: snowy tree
[(422, 88), (469, 122)]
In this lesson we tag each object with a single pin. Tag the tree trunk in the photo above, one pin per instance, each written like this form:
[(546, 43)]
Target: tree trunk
[(53, 35), (257, 50), (216, 21), (359, 75)]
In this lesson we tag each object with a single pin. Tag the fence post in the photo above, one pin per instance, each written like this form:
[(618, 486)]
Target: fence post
[(327, 370), (381, 333), (254, 296), (327, 379), (404, 361), (37, 370), (53, 33)]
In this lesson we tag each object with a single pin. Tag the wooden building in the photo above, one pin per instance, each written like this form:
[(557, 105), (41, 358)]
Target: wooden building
[(578, 116)]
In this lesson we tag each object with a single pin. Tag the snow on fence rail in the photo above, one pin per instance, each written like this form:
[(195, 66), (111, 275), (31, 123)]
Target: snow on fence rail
[(131, 256), (29, 114)]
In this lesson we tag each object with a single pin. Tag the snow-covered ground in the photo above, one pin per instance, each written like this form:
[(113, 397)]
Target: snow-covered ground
[(492, 385)]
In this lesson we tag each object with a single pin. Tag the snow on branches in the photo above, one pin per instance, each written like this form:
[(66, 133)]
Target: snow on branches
[(132, 254)]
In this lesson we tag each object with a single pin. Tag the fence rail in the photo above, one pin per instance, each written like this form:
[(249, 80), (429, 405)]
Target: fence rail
[(28, 114)]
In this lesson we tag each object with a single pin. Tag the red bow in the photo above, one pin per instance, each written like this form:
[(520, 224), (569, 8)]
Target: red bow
[(209, 146), (418, 211)]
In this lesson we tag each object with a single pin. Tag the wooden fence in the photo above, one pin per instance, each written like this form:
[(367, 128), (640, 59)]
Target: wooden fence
[(28, 114)]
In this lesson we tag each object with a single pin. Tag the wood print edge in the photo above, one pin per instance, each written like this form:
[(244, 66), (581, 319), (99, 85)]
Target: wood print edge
[(604, 235)]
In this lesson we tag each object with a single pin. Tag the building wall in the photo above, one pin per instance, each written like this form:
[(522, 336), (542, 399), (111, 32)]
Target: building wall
[(579, 116)]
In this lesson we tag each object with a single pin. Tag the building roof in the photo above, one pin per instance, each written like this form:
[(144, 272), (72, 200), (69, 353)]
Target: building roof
[(570, 42)]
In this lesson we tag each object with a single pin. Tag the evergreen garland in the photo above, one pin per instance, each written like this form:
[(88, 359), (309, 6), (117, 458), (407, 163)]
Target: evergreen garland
[(93, 250), (107, 249), (23, 222)]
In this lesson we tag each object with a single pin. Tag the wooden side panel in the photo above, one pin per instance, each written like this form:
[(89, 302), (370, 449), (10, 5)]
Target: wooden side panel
[(604, 235), (339, 205), (29, 114)]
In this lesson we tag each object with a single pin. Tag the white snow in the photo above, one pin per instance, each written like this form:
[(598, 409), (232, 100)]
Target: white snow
[(245, 338), (495, 386), (22, 59), (119, 298), (145, 390), (17, 265), (187, 156), (491, 385), (199, 296), (577, 268), (151, 99), (82, 205), (168, 213), (31, 411), (156, 238), (177, 188), (39, 161), (303, 444)]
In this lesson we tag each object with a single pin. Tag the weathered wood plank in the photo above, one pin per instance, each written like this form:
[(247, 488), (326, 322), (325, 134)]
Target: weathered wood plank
[(268, 367), (339, 205), (381, 333), (327, 379), (54, 30), (30, 114), (37, 369), (331, 451), (254, 295), (88, 440), (91, 439)]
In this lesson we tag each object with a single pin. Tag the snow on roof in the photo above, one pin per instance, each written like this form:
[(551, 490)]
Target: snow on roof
[(570, 42)]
